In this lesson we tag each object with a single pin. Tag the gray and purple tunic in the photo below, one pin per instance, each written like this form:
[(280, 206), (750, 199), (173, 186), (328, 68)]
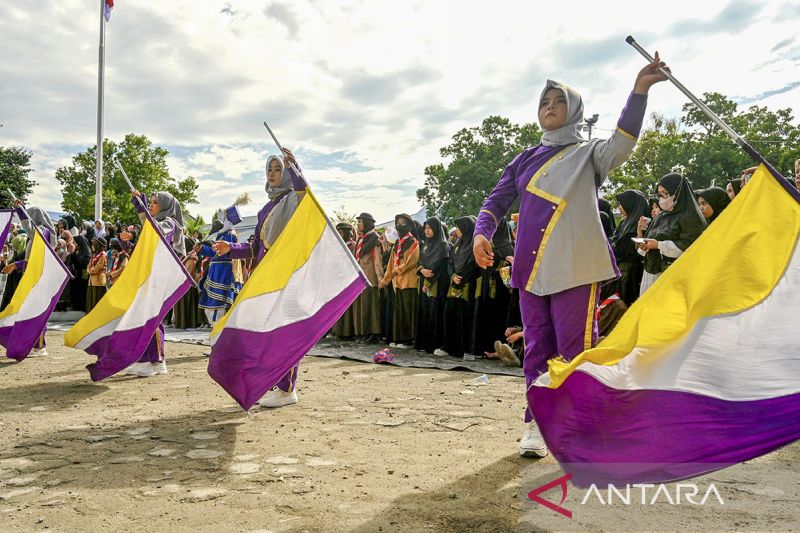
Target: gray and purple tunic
[(261, 244), (561, 253)]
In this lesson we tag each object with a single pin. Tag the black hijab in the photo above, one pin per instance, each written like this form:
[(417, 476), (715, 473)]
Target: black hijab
[(462, 253), (605, 207), (608, 227), (83, 252), (367, 240), (717, 198), (684, 200), (737, 186), (636, 206), (685, 222), (501, 242), (434, 249), (419, 232)]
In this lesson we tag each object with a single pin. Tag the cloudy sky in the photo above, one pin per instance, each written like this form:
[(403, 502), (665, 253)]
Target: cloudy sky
[(364, 92)]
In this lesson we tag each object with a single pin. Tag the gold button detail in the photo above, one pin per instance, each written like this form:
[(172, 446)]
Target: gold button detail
[(542, 230), (554, 208), (534, 252)]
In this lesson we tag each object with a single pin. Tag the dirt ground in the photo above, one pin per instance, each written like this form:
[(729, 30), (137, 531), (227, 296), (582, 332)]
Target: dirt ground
[(368, 448)]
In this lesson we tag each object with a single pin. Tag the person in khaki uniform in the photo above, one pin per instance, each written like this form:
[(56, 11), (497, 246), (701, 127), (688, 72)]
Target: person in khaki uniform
[(402, 272), (367, 308), (97, 268)]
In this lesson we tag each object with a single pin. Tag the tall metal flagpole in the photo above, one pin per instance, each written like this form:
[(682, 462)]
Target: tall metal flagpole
[(98, 197)]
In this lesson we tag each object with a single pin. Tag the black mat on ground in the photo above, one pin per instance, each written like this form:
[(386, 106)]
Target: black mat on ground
[(409, 358), (352, 351)]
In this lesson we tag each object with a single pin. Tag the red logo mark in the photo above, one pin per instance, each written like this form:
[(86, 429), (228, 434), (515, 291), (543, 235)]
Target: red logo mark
[(562, 481)]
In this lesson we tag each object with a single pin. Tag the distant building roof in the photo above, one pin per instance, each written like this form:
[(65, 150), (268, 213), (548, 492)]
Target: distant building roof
[(420, 216)]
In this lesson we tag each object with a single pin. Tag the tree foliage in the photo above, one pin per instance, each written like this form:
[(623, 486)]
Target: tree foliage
[(699, 149), (477, 157), (145, 165), (341, 216), (692, 145), (15, 165)]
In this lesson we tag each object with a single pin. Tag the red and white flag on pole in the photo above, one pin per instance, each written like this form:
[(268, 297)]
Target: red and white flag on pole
[(109, 5)]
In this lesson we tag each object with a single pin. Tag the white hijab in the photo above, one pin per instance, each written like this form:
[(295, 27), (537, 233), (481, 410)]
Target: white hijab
[(286, 205), (570, 132)]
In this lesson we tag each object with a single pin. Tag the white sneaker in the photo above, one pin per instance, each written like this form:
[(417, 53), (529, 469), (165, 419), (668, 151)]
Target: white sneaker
[(278, 398), (135, 368), (160, 368), (438, 352), (401, 346), (145, 370), (469, 357), (532, 443), (392, 345), (37, 352)]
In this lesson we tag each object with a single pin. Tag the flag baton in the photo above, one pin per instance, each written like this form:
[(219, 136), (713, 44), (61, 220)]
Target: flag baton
[(324, 214), (36, 228), (153, 222), (744, 145)]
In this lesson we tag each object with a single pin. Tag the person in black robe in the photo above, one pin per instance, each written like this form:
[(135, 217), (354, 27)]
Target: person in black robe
[(671, 232), (78, 263), (460, 304), (492, 296), (434, 279), (634, 206)]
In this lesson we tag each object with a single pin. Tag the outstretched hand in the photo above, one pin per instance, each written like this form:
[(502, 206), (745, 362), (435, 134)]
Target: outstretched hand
[(650, 75), (221, 247), (482, 249)]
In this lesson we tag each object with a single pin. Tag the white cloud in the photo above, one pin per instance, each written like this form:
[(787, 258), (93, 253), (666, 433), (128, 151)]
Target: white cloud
[(387, 82)]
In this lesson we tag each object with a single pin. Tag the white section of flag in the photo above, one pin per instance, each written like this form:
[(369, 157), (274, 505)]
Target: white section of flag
[(751, 355), (328, 270), (166, 277), (42, 294)]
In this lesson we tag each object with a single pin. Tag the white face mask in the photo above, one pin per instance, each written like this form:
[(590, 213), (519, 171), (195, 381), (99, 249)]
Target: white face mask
[(666, 204)]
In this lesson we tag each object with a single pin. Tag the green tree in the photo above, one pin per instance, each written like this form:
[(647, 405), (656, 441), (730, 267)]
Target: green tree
[(15, 165), (145, 165), (194, 224), (699, 149), (662, 148), (477, 157), (342, 216)]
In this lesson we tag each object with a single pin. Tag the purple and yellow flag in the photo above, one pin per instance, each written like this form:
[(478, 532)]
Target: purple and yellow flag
[(23, 321), (122, 323), (302, 286), (703, 371)]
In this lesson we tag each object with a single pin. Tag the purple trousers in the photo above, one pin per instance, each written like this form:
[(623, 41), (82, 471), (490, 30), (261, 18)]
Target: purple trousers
[(154, 353), (289, 380), (561, 324)]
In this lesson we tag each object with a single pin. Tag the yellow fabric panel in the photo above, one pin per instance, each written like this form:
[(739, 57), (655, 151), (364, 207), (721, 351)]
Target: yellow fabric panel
[(289, 252), (122, 294), (31, 276), (733, 266)]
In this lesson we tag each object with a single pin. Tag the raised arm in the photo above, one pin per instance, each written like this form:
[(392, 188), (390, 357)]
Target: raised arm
[(611, 153)]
